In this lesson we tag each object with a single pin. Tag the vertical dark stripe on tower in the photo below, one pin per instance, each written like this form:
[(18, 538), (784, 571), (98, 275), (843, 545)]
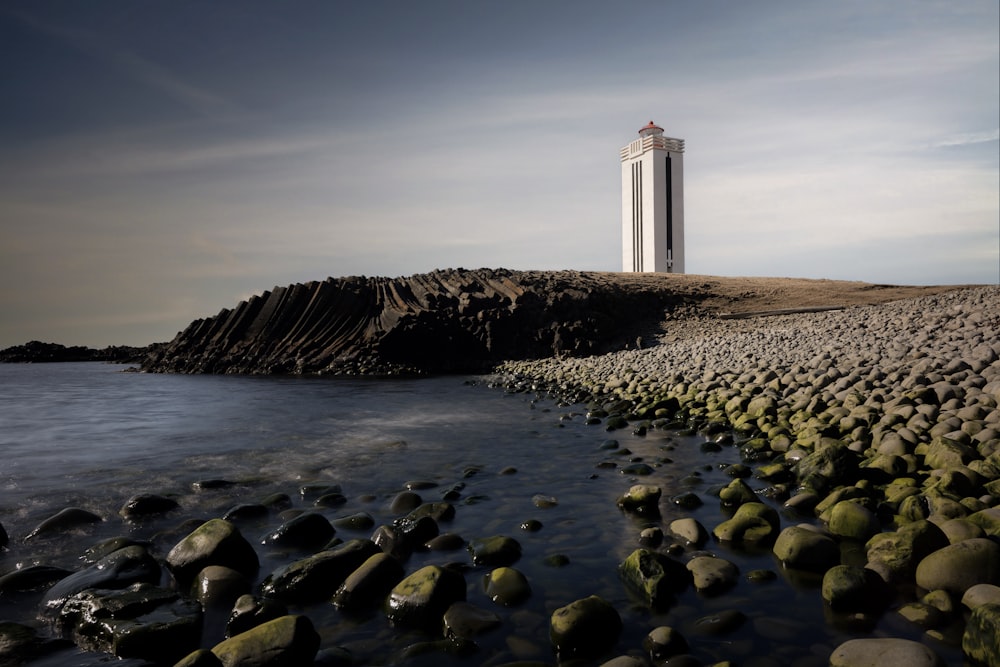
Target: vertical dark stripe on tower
[(670, 212), (637, 223)]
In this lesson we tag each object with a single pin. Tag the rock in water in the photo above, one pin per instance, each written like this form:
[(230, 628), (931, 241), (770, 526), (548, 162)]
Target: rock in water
[(584, 628), (215, 542), (421, 599), (288, 641)]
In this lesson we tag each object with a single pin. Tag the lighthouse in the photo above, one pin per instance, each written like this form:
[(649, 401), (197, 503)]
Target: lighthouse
[(653, 203)]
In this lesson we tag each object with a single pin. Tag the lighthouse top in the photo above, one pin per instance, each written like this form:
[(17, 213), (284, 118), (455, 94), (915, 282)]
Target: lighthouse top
[(651, 130)]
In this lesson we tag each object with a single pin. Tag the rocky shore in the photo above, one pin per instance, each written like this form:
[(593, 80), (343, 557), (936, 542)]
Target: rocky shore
[(877, 430)]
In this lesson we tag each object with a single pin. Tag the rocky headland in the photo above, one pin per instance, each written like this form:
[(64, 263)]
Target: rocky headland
[(36, 352), (468, 321)]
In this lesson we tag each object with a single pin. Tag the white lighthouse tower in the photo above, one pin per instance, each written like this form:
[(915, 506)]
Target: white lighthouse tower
[(653, 203)]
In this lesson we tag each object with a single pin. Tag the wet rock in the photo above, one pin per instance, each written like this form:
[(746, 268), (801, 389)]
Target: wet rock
[(249, 612), (753, 522), (899, 551), (67, 519), (884, 652), (465, 621), (853, 521), (495, 551), (712, 575), (105, 547), (981, 594), (507, 586), (367, 586), (641, 499), (958, 567), (587, 628), (421, 599), (542, 501), (117, 570), (330, 500), (829, 467), (356, 521), (848, 588), (442, 511), (445, 542), (318, 576), (654, 577), (218, 586), (146, 504), (736, 493), (215, 542), (211, 484), (664, 642), (283, 642), (142, 621), (531, 526), (689, 530), (4, 538), (31, 578), (804, 548), (980, 639), (306, 531), (407, 501)]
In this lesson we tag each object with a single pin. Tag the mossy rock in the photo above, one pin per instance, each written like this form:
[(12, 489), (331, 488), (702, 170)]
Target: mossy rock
[(215, 542), (854, 521), (979, 642), (421, 599), (284, 642), (802, 548), (654, 576), (753, 522)]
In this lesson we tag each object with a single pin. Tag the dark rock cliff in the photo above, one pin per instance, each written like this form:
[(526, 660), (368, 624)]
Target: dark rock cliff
[(439, 322)]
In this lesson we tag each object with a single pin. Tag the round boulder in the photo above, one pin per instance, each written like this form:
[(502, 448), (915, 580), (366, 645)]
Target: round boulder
[(958, 567), (421, 599), (215, 542), (289, 640), (584, 628), (884, 652), (802, 548)]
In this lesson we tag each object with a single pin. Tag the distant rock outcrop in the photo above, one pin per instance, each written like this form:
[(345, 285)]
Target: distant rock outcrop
[(39, 352), (439, 322)]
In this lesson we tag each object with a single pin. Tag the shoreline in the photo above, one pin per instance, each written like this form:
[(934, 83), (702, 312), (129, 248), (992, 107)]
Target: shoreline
[(877, 422)]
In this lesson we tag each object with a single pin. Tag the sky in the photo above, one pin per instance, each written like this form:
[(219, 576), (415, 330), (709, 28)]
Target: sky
[(161, 160)]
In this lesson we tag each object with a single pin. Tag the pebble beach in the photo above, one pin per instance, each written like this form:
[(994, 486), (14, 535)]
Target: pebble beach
[(879, 428)]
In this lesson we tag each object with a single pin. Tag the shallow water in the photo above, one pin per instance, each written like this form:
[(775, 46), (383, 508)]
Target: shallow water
[(90, 436)]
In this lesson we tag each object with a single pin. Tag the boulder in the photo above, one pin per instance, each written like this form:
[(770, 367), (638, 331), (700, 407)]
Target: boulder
[(219, 586), (852, 520), (215, 542), (507, 586), (663, 643), (898, 552), (495, 551), (802, 548), (421, 599), (117, 570), (289, 641), (318, 577), (641, 499), (752, 522), (689, 530), (958, 567), (849, 588), (584, 628), (980, 640), (63, 520), (249, 612), (142, 621), (884, 652), (465, 621), (200, 658), (712, 575), (367, 586), (654, 577), (306, 531), (146, 504)]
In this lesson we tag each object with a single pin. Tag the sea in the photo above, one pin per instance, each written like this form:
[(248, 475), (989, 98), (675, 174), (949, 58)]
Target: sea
[(92, 435)]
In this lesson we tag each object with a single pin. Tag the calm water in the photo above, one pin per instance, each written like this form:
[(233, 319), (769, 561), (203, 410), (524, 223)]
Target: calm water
[(91, 436)]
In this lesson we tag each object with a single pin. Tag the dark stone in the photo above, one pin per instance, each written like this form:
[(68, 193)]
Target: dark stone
[(285, 641), (421, 599), (117, 570), (307, 530), (367, 586), (249, 612), (31, 578), (215, 542), (318, 576), (246, 512), (146, 504), (67, 519), (584, 628)]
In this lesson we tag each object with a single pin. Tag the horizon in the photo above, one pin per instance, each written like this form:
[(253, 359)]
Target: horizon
[(166, 162)]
